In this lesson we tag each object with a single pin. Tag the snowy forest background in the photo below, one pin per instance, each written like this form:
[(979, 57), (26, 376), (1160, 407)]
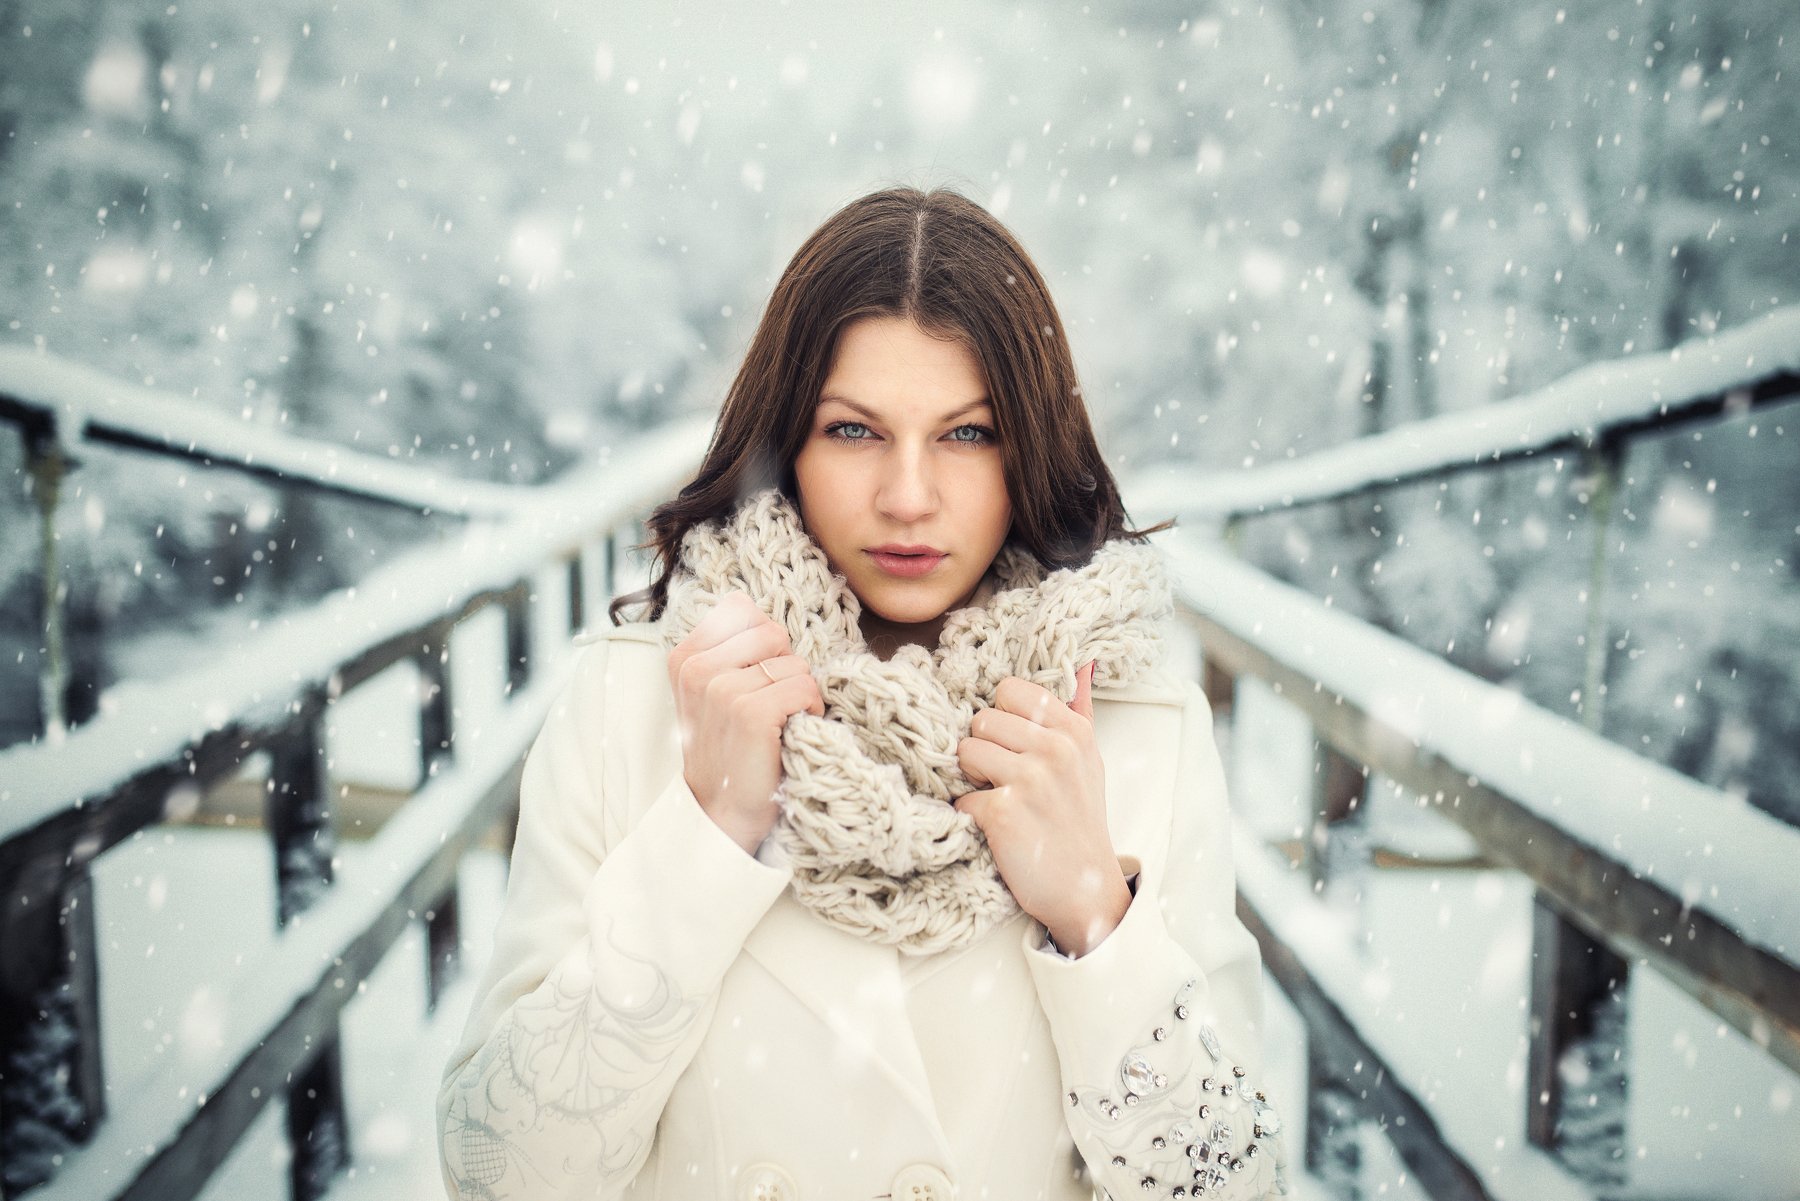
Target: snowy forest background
[(498, 241), (501, 242)]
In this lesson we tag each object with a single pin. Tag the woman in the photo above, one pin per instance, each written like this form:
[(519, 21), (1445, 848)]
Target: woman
[(884, 859)]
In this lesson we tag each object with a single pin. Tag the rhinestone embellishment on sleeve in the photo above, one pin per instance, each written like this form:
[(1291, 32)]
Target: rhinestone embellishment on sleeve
[(1184, 1133)]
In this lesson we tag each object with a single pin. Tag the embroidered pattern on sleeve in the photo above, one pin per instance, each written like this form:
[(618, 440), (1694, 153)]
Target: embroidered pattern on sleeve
[(1182, 1125), (567, 1068)]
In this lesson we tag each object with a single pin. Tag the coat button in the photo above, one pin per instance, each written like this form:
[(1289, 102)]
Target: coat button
[(766, 1182), (923, 1182)]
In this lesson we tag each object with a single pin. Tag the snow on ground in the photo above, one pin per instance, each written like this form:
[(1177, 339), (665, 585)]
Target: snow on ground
[(168, 948)]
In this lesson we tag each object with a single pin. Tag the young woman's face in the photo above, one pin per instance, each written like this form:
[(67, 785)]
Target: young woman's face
[(902, 451)]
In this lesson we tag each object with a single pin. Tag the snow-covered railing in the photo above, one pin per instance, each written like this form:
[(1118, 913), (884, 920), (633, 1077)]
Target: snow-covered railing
[(1630, 863), (55, 401), (1633, 864), (56, 406), (66, 799), (1594, 413), (1616, 880), (1595, 407), (1358, 1072)]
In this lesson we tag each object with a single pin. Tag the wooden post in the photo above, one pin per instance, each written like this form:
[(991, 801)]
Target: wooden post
[(1220, 687), (517, 607), (317, 1129), (1333, 1139), (1336, 840), (577, 593), (1234, 533), (47, 463), (84, 646), (1604, 462), (437, 749), (595, 596), (443, 946), (299, 822), (298, 813), (518, 673), (1576, 1073), (610, 556), (52, 1091), (436, 733)]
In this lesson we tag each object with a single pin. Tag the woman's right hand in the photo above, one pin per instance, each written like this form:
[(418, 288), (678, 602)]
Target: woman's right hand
[(731, 713)]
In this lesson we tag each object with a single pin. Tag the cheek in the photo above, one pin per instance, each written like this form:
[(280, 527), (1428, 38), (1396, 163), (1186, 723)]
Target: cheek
[(826, 496), (998, 503), (823, 483), (812, 479)]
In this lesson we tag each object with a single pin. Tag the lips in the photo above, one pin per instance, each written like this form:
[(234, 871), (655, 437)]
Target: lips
[(902, 563), (906, 548)]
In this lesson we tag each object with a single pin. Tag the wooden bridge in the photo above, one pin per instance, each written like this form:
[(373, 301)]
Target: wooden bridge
[(1618, 851)]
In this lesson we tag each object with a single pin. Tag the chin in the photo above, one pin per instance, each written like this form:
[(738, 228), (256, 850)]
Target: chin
[(909, 610)]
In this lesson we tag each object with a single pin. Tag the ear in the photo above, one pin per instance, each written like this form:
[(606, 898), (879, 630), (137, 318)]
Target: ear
[(1084, 690)]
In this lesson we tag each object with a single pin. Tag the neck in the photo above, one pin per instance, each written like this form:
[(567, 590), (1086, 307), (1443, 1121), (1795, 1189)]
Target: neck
[(885, 637)]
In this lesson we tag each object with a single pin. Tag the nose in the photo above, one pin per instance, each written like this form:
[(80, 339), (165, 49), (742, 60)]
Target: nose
[(908, 490)]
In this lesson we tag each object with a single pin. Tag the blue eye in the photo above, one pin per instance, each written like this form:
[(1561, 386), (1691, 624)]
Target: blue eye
[(836, 430)]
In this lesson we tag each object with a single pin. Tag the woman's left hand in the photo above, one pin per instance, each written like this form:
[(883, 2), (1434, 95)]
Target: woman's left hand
[(1043, 808)]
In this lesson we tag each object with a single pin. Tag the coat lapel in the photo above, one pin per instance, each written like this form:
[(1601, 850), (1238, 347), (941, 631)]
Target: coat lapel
[(853, 985)]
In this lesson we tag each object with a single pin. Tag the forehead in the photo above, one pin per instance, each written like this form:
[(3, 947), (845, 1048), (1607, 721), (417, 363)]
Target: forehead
[(890, 363)]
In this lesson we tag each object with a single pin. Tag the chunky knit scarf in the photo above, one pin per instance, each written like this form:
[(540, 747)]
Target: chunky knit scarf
[(866, 818)]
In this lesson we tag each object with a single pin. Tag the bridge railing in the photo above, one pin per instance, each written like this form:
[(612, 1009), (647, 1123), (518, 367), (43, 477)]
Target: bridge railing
[(58, 407), (1610, 884), (1631, 864), (69, 797)]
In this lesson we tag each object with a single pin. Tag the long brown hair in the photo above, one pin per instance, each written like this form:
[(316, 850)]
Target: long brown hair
[(945, 262)]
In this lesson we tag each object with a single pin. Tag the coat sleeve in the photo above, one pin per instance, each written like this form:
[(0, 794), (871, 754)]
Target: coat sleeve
[(1158, 1028), (608, 957)]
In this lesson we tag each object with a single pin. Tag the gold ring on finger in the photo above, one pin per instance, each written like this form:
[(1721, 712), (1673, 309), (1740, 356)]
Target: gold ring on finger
[(764, 664)]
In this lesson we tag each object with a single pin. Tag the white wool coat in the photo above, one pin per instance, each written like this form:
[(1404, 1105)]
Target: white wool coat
[(661, 1019)]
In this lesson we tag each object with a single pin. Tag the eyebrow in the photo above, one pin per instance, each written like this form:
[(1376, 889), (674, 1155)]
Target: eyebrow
[(979, 403)]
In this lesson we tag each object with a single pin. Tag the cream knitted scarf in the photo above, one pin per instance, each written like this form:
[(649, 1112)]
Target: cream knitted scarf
[(866, 818)]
